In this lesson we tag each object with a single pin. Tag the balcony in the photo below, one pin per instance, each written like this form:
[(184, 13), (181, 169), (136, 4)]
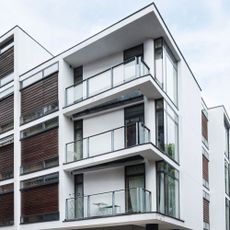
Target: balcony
[(110, 84), (113, 140), (119, 202)]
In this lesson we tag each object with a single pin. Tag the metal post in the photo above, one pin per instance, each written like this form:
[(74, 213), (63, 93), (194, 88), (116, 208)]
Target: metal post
[(112, 140), (113, 203), (88, 206), (111, 72), (87, 147), (87, 88)]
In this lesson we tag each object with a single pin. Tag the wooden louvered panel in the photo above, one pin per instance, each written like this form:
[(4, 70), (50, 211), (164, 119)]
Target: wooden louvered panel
[(6, 208), (6, 111), (40, 95), (205, 211), (40, 200), (204, 126), (7, 62), (40, 147), (6, 161), (205, 168)]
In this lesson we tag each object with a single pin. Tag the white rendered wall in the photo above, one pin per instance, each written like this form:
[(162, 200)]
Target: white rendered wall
[(190, 149), (216, 168), (28, 52)]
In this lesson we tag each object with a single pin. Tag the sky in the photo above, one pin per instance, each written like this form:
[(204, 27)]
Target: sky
[(201, 28)]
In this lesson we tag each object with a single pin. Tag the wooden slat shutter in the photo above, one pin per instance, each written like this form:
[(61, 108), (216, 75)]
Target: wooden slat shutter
[(39, 95), (205, 210), (204, 126), (40, 147), (6, 204), (7, 62), (7, 113), (205, 168), (6, 161), (39, 201)]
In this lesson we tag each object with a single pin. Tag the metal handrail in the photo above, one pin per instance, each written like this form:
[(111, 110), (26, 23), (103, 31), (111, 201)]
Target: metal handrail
[(108, 131), (142, 136), (107, 192), (115, 203), (95, 75)]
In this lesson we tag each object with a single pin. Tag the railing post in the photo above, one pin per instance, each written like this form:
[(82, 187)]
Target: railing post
[(138, 200), (113, 203), (87, 147), (88, 206), (87, 88), (137, 134), (66, 209), (112, 140), (111, 72)]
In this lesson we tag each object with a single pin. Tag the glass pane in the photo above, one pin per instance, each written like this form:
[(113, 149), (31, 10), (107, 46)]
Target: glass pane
[(172, 138), (171, 75), (99, 83)]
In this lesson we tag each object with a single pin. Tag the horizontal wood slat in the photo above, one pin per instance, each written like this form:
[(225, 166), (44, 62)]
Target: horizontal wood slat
[(7, 62), (6, 161), (39, 95), (38, 148)]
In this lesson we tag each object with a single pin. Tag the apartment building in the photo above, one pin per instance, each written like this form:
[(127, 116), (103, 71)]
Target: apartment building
[(99, 136)]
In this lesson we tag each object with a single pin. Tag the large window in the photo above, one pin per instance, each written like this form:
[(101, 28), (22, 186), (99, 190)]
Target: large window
[(167, 129), (166, 69), (167, 190)]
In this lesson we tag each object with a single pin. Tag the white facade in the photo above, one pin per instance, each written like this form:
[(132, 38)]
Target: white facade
[(107, 79)]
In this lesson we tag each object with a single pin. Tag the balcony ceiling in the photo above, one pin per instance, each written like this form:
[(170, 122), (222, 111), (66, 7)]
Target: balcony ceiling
[(125, 34)]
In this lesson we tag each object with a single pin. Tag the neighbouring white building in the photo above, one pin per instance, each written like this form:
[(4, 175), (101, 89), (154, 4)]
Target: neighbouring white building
[(110, 134)]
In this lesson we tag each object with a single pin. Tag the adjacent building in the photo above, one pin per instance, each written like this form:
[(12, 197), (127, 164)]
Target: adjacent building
[(110, 134)]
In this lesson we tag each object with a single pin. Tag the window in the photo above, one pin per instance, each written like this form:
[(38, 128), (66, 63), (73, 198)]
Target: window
[(226, 172), (136, 51), (53, 123), (166, 69), (39, 99), (167, 129), (7, 205), (167, 190), (7, 113), (45, 190)]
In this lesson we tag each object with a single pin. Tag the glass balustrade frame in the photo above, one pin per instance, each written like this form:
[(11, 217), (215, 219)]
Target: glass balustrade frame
[(117, 139)]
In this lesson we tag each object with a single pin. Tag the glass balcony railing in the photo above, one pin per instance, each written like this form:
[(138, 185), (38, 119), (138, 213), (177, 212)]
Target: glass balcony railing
[(48, 109), (106, 80), (41, 165), (125, 201), (113, 140)]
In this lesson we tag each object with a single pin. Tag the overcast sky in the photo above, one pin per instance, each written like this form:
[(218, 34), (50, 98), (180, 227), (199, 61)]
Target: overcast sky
[(200, 27)]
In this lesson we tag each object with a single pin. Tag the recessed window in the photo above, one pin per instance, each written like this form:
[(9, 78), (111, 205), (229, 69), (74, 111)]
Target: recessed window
[(167, 189), (167, 129), (166, 69)]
